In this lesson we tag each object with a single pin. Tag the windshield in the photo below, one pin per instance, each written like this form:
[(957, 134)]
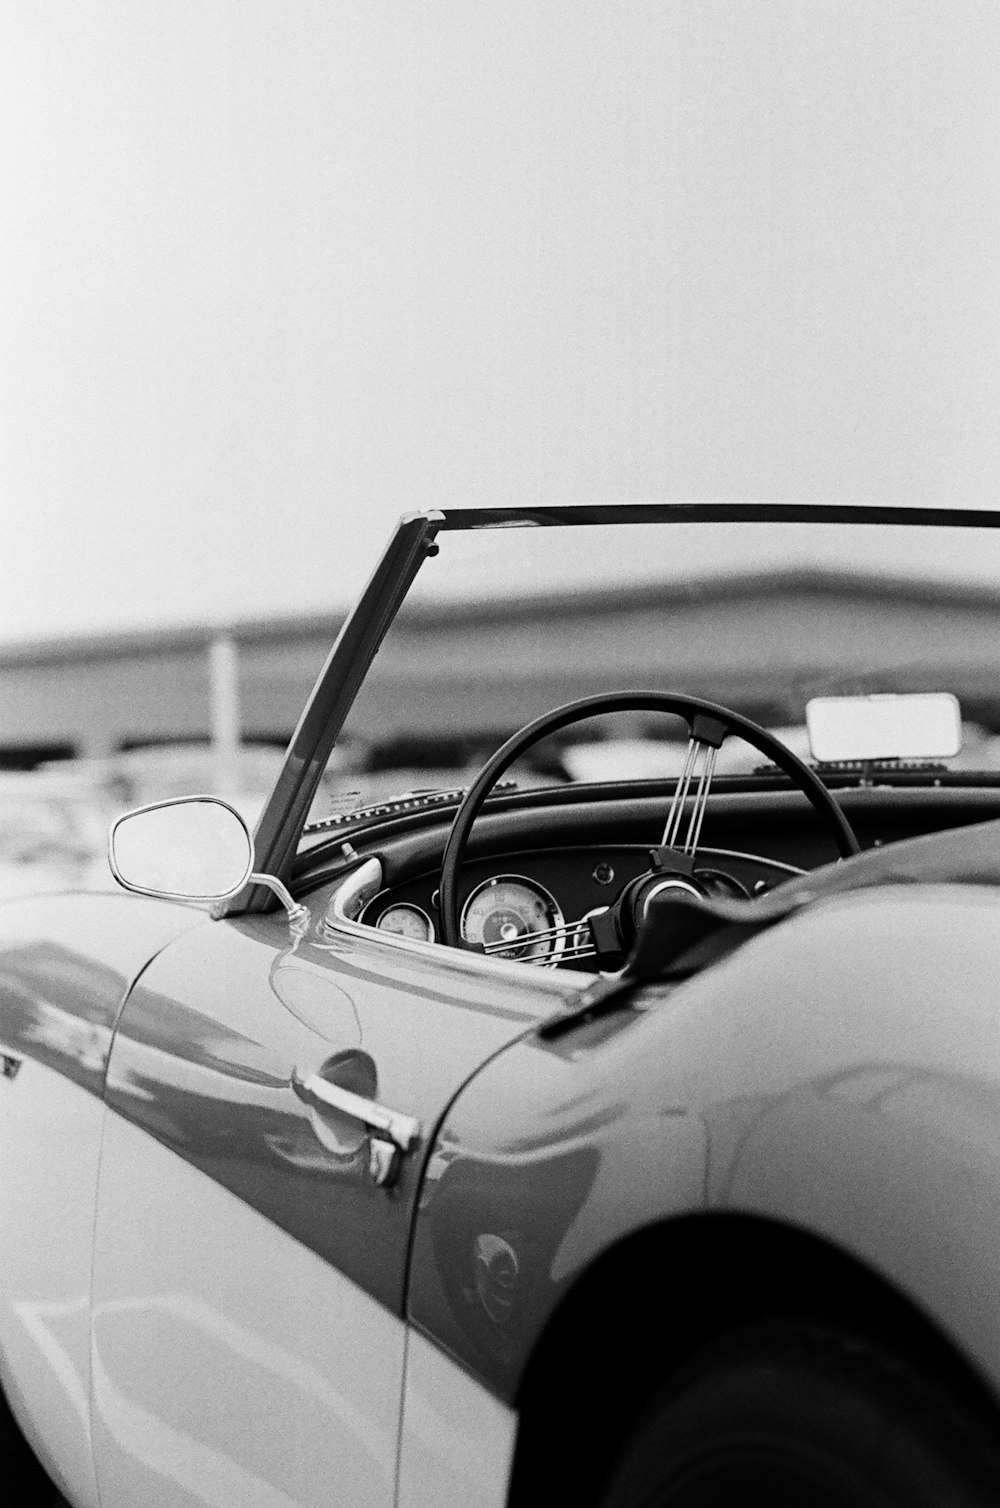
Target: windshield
[(503, 625)]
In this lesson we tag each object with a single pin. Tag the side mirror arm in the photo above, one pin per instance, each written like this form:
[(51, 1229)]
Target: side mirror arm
[(297, 915)]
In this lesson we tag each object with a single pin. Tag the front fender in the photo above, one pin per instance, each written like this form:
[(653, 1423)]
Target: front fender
[(66, 965)]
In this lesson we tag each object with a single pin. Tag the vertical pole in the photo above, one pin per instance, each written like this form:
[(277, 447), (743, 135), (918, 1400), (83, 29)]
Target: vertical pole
[(225, 712)]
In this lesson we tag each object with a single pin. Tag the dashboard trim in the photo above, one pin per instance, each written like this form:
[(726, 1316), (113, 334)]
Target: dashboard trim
[(354, 894), (365, 885)]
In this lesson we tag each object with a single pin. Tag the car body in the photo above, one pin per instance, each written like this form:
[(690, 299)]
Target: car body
[(302, 1208)]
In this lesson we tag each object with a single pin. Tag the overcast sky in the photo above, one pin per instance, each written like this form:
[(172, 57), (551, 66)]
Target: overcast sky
[(274, 272)]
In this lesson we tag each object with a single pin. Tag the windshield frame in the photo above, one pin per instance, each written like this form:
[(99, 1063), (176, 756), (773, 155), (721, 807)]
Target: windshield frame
[(284, 814)]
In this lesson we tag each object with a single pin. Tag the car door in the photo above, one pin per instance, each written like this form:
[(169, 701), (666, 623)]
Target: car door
[(248, 1340), (58, 1005)]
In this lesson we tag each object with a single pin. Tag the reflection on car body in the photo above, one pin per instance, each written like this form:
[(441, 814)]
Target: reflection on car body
[(638, 1119)]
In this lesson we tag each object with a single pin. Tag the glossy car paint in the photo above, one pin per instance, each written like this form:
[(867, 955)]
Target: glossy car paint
[(445, 1411), (49, 1180), (231, 1364), (210, 1038), (60, 1001), (240, 1242), (860, 1104), (242, 1250)]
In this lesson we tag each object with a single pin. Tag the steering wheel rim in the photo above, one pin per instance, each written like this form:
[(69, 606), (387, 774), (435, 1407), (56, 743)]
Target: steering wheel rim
[(680, 704)]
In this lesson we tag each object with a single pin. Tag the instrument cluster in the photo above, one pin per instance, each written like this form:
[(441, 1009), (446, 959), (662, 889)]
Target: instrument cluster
[(534, 908)]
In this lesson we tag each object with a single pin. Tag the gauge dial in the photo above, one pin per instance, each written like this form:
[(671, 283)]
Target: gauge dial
[(508, 909), (405, 920)]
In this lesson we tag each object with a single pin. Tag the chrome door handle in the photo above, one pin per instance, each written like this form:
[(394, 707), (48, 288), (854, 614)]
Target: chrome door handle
[(401, 1130)]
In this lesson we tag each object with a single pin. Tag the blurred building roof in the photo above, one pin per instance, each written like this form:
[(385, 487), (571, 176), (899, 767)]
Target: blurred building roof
[(742, 639)]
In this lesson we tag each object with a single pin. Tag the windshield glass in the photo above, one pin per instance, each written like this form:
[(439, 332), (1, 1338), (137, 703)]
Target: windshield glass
[(505, 624)]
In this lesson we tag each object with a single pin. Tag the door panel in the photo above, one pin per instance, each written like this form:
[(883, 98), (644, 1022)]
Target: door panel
[(50, 1132), (59, 1001), (231, 1364), (249, 1275), (210, 1039)]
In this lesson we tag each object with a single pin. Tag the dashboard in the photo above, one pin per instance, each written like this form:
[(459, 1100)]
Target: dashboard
[(525, 904), (540, 863)]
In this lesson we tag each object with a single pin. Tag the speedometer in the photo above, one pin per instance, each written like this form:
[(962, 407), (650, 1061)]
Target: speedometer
[(511, 917)]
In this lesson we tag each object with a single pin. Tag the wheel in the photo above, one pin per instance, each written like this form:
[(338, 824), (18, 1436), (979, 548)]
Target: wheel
[(709, 726), (799, 1419)]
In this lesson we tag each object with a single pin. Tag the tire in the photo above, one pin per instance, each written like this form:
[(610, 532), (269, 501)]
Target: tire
[(26, 1484), (794, 1418)]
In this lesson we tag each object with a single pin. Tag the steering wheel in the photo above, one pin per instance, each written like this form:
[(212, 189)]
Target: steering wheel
[(709, 725)]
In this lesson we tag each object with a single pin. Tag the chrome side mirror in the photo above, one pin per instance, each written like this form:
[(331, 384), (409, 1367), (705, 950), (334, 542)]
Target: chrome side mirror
[(196, 848), (191, 848)]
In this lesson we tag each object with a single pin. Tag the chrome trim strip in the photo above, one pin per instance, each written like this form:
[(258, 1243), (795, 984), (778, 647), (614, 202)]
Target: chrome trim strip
[(753, 858), (360, 888), (470, 963), (675, 882), (173, 895), (363, 884)]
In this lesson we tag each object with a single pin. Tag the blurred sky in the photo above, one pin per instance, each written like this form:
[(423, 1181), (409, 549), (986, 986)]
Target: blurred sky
[(274, 272)]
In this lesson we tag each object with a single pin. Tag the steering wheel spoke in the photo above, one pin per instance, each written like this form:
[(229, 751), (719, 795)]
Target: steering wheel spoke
[(709, 726), (568, 940), (708, 733), (700, 760)]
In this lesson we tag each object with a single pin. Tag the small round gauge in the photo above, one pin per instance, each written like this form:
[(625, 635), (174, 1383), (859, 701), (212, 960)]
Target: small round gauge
[(405, 920), (502, 914)]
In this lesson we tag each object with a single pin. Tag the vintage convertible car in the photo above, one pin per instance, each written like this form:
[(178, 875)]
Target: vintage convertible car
[(621, 1142)]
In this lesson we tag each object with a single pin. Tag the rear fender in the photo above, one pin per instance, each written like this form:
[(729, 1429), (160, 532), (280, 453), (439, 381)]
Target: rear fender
[(838, 1076)]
